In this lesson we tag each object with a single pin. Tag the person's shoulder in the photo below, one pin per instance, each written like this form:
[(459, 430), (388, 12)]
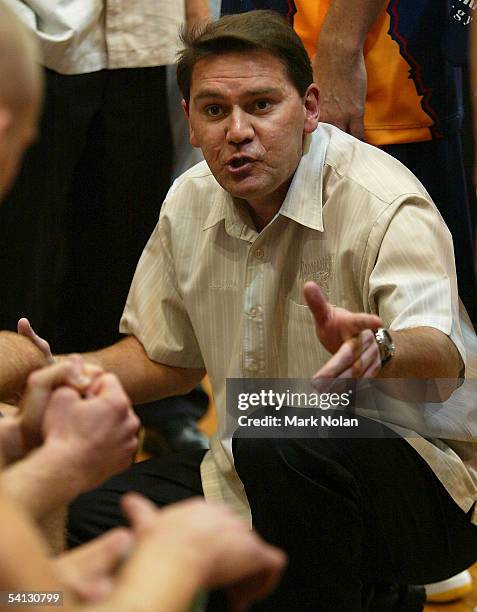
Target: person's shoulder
[(194, 175), (198, 179), (192, 195), (366, 168)]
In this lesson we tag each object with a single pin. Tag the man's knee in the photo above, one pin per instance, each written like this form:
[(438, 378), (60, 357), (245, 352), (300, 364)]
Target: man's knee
[(260, 454), (310, 458)]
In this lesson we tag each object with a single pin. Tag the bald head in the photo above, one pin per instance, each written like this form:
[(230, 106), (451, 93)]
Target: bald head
[(20, 94), (20, 73)]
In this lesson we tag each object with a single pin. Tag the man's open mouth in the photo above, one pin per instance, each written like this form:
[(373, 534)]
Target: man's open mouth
[(238, 162)]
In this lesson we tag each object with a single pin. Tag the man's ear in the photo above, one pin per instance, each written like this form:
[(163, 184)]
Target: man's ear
[(311, 108), (186, 109)]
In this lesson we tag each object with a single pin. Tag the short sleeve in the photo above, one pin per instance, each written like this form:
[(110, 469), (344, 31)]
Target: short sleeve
[(409, 261), (155, 311)]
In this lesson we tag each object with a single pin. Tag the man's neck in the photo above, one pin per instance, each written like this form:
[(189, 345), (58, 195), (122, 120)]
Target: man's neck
[(262, 217), (262, 211)]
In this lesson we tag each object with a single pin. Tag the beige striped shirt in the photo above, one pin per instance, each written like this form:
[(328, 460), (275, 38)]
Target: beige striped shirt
[(210, 291), (80, 36)]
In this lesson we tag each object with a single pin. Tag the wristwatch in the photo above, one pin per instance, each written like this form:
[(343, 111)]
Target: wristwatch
[(386, 345)]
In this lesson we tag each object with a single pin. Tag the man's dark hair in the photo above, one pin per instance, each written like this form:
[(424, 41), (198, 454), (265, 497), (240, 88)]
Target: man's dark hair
[(252, 31)]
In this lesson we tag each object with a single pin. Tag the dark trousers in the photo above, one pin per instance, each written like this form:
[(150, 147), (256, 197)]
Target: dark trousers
[(84, 205), (164, 481), (352, 514), (191, 406), (439, 165)]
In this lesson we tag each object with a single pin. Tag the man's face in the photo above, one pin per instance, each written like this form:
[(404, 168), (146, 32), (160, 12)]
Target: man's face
[(17, 132), (249, 120)]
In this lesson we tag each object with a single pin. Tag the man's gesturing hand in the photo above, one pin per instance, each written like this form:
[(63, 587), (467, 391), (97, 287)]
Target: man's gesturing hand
[(347, 335)]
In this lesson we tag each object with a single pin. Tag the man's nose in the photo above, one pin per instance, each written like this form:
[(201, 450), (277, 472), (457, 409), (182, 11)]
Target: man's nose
[(239, 127)]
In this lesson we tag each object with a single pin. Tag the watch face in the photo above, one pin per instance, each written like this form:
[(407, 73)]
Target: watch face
[(386, 344)]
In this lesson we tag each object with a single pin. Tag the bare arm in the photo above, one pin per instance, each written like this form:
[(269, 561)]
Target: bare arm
[(144, 379), (11, 439), (421, 352), (178, 551), (18, 357), (44, 481), (87, 437), (197, 11), (339, 63), (23, 555), (195, 545)]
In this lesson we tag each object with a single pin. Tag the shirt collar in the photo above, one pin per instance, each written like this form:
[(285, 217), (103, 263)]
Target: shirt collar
[(221, 208), (303, 202), (238, 222)]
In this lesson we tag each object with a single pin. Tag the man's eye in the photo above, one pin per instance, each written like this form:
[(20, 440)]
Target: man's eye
[(213, 110), (262, 105)]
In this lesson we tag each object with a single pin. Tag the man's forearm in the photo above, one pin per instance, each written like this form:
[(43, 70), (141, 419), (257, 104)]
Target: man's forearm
[(11, 439), (197, 11), (423, 352), (339, 68), (53, 528), (143, 379), (23, 555), (347, 24), (166, 581), (18, 357), (43, 482)]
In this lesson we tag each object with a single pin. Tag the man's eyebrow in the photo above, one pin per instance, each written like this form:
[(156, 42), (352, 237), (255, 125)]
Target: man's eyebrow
[(208, 93), (251, 93)]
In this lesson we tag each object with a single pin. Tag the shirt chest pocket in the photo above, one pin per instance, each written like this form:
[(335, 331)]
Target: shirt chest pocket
[(305, 352)]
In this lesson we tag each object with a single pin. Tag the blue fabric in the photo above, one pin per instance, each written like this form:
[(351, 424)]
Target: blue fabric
[(421, 29), (456, 41)]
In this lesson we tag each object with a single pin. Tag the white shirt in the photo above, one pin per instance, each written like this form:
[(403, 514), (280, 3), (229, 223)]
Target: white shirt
[(210, 291), (80, 36)]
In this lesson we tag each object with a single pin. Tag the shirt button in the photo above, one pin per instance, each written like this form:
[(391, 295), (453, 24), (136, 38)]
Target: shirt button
[(252, 366), (259, 253)]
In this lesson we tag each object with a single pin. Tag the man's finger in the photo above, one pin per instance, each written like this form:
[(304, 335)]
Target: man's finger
[(107, 384), (365, 361), (25, 329), (108, 388), (339, 363), (39, 391), (42, 382), (317, 302), (258, 586), (348, 359), (88, 569), (360, 321), (366, 366), (104, 553), (374, 367), (138, 510)]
